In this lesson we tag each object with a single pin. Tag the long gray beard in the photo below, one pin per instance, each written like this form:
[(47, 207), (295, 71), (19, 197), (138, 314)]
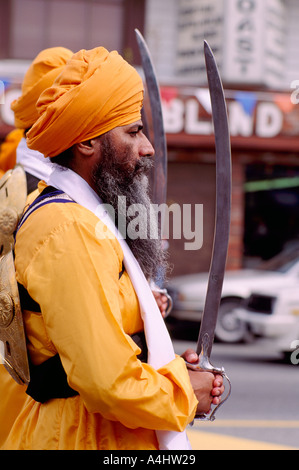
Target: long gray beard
[(113, 182)]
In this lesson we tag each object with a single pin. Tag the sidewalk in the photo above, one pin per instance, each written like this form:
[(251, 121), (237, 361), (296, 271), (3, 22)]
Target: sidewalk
[(210, 441), (205, 440)]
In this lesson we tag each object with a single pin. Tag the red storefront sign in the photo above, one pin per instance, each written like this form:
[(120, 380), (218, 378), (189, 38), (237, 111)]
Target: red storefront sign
[(257, 119)]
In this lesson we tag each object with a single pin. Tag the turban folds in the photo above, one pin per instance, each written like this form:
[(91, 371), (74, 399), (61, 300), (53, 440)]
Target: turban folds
[(96, 92), (41, 74)]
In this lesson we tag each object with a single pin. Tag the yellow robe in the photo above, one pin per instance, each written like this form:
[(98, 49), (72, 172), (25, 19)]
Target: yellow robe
[(12, 399), (88, 315)]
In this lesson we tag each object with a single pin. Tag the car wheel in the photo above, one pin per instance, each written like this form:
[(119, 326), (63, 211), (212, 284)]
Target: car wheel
[(229, 328)]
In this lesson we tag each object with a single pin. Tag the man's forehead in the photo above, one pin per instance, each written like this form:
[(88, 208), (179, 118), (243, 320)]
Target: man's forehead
[(137, 125)]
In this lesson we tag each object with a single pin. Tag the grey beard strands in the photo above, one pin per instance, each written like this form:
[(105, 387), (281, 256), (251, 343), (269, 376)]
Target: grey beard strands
[(112, 180)]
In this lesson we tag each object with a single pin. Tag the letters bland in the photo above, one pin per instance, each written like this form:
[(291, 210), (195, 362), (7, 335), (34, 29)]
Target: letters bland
[(181, 116)]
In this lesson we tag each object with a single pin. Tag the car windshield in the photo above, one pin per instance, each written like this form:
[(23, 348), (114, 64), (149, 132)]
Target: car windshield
[(281, 263)]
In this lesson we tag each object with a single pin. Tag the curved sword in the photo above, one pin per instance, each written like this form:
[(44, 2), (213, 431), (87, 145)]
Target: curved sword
[(160, 146), (158, 181), (222, 221)]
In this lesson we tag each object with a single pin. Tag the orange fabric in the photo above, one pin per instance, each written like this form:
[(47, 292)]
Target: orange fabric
[(8, 150), (13, 397), (96, 92), (41, 74), (88, 317)]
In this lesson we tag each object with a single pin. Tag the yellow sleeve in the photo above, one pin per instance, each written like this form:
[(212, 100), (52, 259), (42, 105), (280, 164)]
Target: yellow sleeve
[(75, 279)]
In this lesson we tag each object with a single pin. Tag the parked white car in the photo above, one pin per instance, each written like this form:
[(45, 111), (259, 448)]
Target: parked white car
[(282, 272), (273, 315)]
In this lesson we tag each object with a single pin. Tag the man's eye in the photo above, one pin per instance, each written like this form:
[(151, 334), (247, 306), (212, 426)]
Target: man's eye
[(137, 131)]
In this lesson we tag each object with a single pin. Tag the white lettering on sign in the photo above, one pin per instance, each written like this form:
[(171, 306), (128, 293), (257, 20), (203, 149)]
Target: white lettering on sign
[(183, 117), (255, 35), (241, 123), (192, 124), (243, 41), (269, 120), (173, 116)]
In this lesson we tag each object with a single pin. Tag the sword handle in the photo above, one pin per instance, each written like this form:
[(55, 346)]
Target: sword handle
[(204, 365), (155, 288), (169, 299)]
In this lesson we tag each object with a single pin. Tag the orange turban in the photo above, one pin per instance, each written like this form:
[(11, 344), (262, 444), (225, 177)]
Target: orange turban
[(96, 92), (41, 74)]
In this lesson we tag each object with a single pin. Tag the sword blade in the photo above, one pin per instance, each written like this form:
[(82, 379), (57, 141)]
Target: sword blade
[(158, 175), (223, 206), (159, 181)]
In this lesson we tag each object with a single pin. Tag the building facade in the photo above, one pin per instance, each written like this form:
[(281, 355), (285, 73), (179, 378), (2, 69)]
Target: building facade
[(254, 42), (28, 26)]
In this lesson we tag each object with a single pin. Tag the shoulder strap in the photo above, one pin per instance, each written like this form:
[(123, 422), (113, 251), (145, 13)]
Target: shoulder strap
[(48, 196), (49, 380)]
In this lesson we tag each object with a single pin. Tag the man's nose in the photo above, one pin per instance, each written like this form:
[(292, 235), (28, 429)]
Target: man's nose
[(147, 150)]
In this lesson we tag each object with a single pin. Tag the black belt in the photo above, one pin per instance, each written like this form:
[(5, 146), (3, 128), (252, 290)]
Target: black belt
[(49, 380)]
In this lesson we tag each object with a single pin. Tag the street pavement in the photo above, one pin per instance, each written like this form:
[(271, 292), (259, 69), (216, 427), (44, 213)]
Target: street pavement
[(263, 410), (209, 436)]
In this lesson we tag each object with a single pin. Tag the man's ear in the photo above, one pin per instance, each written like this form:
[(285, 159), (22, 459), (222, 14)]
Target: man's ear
[(86, 148)]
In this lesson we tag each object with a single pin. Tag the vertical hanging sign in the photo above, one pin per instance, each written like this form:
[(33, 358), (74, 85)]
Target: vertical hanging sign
[(243, 58), (254, 38)]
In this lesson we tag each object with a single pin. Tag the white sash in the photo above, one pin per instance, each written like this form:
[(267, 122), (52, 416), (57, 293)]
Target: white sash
[(34, 162), (160, 348)]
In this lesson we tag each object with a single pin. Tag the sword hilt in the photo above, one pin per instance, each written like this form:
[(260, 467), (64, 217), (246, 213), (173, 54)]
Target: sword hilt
[(162, 291), (204, 365)]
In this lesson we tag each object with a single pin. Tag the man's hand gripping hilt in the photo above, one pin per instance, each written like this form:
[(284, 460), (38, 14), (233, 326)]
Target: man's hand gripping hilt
[(204, 365)]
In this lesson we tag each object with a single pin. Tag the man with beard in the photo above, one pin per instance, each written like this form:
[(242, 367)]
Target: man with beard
[(96, 383), (114, 179)]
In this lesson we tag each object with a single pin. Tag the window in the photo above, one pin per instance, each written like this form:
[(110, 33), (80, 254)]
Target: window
[(76, 24)]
